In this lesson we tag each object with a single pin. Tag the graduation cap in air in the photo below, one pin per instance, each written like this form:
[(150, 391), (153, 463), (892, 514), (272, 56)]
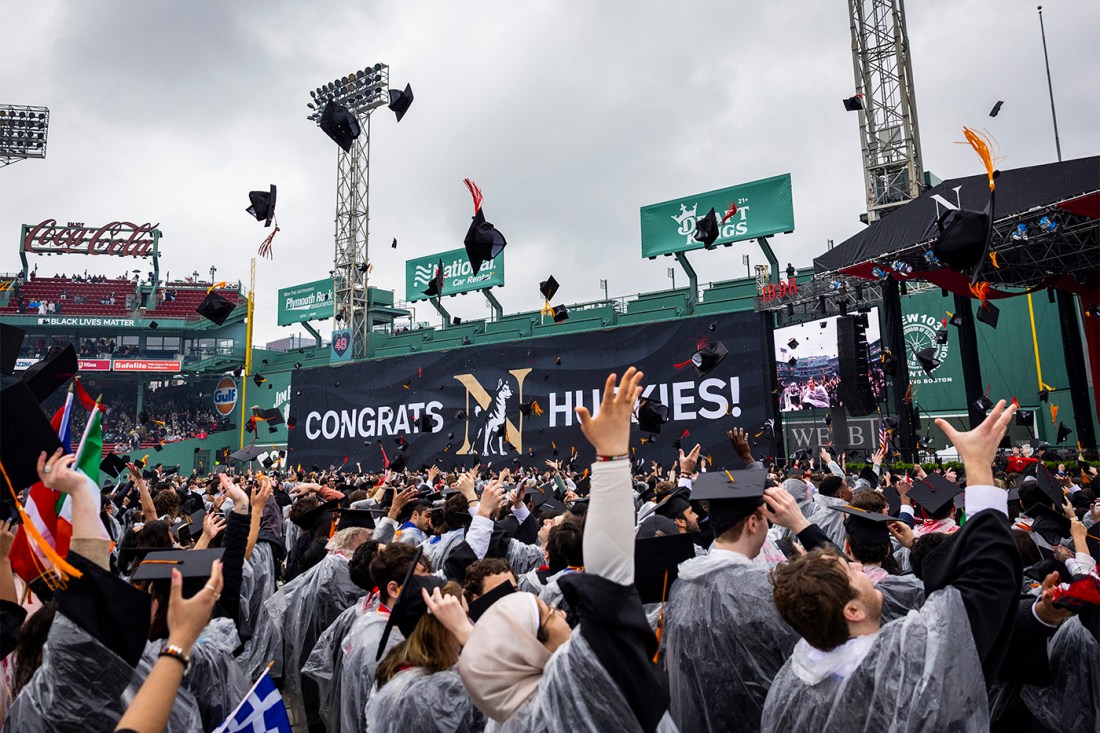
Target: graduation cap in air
[(652, 414), (456, 321), (258, 379), (481, 604), (1024, 418), (996, 108), (792, 361), (291, 422), (561, 314), (215, 308), (1047, 485), (956, 320), (271, 416), (989, 314), (262, 205), (889, 363), (965, 235), (435, 286), (792, 344), (153, 325), (1044, 394), (548, 288), (45, 377), (11, 340), (248, 453), (730, 495), (526, 408), (1063, 433), (708, 357), (933, 492), (399, 462), (656, 564), (706, 229), (24, 433), (983, 403), (941, 336), (483, 241), (113, 464), (927, 359), (355, 517), (853, 104), (340, 125), (868, 474), (401, 100), (425, 423)]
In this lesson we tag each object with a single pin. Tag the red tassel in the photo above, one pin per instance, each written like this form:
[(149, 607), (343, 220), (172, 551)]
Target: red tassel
[(732, 210), (86, 399), (475, 192), (682, 364), (265, 247)]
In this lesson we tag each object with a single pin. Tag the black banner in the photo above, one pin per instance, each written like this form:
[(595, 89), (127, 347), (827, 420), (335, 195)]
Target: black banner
[(472, 397)]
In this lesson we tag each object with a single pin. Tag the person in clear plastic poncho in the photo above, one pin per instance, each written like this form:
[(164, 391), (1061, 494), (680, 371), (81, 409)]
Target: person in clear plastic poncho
[(927, 670)]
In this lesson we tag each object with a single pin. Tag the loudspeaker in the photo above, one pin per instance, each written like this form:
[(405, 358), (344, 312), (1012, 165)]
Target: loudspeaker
[(855, 378)]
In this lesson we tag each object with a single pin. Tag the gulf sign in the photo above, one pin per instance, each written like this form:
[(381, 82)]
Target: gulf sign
[(225, 396)]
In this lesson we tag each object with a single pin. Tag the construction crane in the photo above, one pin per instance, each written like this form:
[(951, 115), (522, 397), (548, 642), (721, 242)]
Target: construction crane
[(892, 168)]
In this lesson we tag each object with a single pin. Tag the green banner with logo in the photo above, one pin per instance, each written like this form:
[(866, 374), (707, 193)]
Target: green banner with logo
[(458, 275), (306, 302), (764, 207)]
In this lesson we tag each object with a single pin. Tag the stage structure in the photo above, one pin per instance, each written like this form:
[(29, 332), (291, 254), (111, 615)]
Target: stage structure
[(22, 132), (360, 92)]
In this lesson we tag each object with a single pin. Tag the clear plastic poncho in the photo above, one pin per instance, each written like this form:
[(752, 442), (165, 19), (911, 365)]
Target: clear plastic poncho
[(724, 643), (438, 552), (214, 677), (83, 686), (424, 703), (575, 694), (524, 557), (1071, 702), (257, 585), (920, 672), (360, 648), (326, 662), (900, 595)]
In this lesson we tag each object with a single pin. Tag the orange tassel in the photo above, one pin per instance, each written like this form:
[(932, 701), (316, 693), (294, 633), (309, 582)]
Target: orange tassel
[(64, 570), (1053, 414), (980, 291), (993, 259), (981, 145), (216, 286)]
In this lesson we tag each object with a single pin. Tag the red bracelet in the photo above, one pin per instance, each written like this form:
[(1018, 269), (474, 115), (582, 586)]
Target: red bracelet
[(623, 457)]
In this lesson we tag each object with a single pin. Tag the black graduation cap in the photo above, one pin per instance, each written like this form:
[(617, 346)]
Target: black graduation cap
[(652, 414), (408, 595), (460, 415), (561, 314), (262, 205), (291, 422), (706, 229), (399, 462), (194, 566), (24, 433), (548, 287), (1024, 418), (868, 474), (889, 363), (317, 516), (525, 408), (853, 104), (793, 344), (656, 564), (215, 308), (191, 528), (394, 245), (1063, 433), (153, 325), (983, 403), (483, 241), (868, 528), (258, 379), (248, 453), (158, 447), (933, 492), (708, 357), (941, 336), (673, 505), (1046, 484), (792, 361), (989, 314), (355, 517), (45, 377), (964, 238), (456, 321), (435, 287), (928, 360), (996, 108), (113, 465), (1044, 395), (481, 604), (400, 101), (340, 125), (425, 423), (268, 461), (956, 320), (730, 495), (11, 340)]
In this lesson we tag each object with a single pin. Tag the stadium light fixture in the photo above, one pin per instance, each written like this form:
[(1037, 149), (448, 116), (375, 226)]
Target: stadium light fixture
[(23, 132)]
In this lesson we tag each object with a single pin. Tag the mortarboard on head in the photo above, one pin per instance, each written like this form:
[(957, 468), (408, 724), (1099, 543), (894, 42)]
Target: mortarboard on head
[(706, 229), (317, 516), (425, 423), (996, 108), (215, 308), (651, 415), (941, 336), (46, 377), (24, 433), (673, 506), (793, 344), (989, 314), (956, 320), (1063, 433), (866, 528), (340, 125), (893, 500), (11, 340), (853, 104), (731, 496), (481, 604), (708, 357), (1024, 418), (401, 100), (113, 465), (262, 205), (656, 563), (927, 359), (548, 287), (561, 313), (933, 492), (435, 286), (483, 241), (355, 518)]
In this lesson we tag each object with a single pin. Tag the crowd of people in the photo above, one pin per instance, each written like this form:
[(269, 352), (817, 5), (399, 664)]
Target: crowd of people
[(612, 597)]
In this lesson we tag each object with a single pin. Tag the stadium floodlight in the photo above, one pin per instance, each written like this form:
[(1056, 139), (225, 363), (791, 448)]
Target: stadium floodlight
[(23, 132)]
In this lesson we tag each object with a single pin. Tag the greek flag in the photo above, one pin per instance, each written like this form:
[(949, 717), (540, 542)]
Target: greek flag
[(261, 710)]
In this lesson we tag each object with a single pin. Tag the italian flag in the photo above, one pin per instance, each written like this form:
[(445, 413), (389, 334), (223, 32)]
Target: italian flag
[(88, 457)]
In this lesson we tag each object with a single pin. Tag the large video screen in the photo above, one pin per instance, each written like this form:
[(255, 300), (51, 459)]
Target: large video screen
[(812, 380)]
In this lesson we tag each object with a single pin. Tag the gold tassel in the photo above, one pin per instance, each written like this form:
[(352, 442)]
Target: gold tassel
[(63, 568), (981, 147)]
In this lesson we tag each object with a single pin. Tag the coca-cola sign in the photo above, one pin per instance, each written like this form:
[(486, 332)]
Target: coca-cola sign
[(119, 238)]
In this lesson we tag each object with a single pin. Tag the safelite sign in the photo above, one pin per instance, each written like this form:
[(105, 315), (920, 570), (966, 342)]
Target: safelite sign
[(225, 396)]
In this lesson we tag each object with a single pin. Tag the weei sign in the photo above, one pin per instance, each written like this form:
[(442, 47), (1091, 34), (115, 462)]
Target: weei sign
[(764, 207), (472, 397), (306, 302), (458, 276)]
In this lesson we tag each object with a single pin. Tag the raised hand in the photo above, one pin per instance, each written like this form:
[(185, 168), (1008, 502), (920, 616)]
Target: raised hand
[(689, 461), (449, 611), (740, 439), (902, 532), (609, 430), (978, 447), (186, 618), (780, 508), (57, 472)]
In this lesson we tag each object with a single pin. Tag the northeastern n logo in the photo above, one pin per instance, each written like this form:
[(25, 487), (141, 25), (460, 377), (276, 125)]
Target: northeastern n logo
[(488, 422)]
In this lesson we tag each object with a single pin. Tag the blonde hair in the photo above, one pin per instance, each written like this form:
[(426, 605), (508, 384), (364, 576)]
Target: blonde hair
[(430, 647), (348, 539)]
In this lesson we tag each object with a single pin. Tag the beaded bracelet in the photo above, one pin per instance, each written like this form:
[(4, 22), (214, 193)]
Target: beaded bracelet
[(175, 652), (604, 459)]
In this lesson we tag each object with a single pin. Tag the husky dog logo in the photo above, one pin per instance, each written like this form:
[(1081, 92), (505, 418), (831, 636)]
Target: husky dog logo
[(489, 425), (489, 438), (686, 222)]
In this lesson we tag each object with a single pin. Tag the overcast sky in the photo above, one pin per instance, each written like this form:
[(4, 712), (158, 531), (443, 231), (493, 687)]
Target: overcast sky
[(569, 115)]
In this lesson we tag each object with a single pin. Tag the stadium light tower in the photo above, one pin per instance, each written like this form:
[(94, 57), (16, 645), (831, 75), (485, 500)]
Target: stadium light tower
[(22, 132), (360, 92)]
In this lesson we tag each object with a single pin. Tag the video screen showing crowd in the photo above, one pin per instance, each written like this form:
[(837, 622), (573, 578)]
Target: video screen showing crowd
[(616, 594)]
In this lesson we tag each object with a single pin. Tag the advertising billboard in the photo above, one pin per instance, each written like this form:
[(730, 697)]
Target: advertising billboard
[(458, 275), (306, 302), (764, 207)]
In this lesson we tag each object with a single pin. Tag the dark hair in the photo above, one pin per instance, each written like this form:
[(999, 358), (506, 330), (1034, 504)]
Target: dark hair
[(29, 643), (871, 501), (303, 505), (831, 484), (810, 593), (478, 571), (413, 507), (359, 565), (393, 564), (565, 544), (357, 495), (1029, 551), (456, 513), (167, 502), (922, 547)]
